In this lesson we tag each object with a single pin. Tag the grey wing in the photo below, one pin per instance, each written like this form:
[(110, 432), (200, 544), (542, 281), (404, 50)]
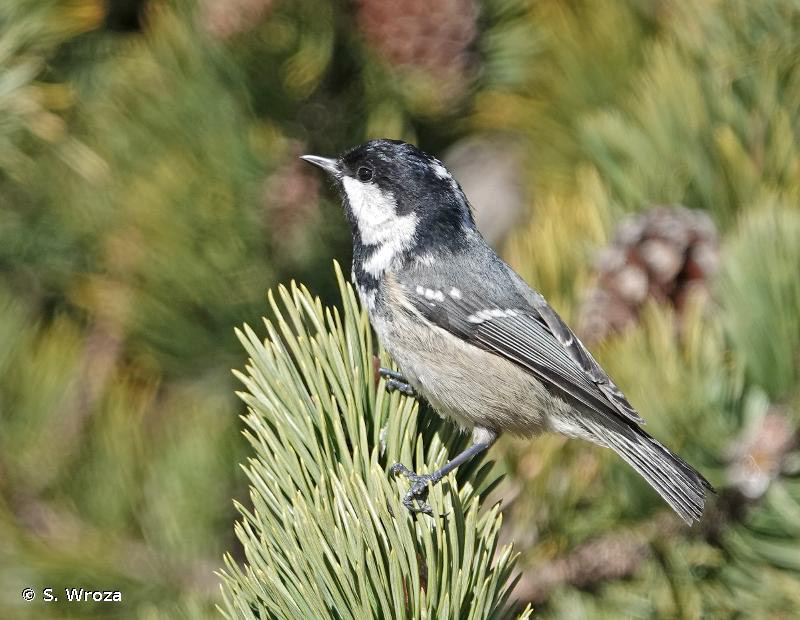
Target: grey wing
[(580, 354), (524, 329), (492, 308)]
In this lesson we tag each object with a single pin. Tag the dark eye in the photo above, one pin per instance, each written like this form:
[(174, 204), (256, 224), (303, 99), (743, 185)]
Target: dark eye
[(364, 174)]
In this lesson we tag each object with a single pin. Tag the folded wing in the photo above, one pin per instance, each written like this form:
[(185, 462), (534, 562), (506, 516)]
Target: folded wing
[(529, 334)]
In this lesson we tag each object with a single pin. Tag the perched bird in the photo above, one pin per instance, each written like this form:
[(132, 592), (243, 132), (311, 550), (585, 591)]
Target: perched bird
[(469, 335)]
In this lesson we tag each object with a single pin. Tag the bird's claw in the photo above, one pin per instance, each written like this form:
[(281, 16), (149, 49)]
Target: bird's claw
[(403, 388), (396, 381), (418, 491), (387, 373)]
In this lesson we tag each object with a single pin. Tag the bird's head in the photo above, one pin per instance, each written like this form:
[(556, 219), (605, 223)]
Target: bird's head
[(398, 198)]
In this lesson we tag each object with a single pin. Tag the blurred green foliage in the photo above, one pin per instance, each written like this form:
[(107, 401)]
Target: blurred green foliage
[(150, 195)]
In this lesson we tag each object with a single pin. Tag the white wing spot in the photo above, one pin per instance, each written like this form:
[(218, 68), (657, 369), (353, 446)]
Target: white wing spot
[(455, 293), (490, 313), (420, 290)]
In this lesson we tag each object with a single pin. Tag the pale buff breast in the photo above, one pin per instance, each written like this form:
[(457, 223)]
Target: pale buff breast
[(465, 383)]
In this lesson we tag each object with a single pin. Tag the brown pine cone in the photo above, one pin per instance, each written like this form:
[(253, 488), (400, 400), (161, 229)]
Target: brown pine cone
[(429, 38), (290, 199), (757, 456), (667, 253), (226, 18)]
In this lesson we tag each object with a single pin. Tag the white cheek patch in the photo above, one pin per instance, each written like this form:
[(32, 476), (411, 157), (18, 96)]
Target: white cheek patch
[(373, 209), (375, 213)]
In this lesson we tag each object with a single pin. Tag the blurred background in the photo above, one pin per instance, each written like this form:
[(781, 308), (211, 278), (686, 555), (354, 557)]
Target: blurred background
[(635, 160)]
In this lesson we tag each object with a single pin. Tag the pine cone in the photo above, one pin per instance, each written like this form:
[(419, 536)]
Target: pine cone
[(290, 197), (667, 254), (226, 18), (758, 456), (421, 36)]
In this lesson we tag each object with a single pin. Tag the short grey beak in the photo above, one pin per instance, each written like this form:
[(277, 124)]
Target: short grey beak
[(329, 165)]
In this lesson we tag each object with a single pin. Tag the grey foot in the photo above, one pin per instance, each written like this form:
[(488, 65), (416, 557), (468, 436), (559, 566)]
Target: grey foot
[(396, 381), (418, 491), (403, 388)]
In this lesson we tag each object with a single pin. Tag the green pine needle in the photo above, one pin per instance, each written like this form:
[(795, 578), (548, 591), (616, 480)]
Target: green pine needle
[(327, 535)]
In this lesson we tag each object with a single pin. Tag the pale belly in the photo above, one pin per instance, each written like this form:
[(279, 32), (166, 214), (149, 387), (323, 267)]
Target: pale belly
[(469, 385)]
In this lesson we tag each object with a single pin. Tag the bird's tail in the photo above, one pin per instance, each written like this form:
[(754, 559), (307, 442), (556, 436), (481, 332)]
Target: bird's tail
[(681, 486)]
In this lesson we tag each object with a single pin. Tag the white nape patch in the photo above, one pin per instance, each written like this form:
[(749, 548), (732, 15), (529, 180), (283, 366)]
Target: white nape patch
[(455, 293), (440, 171), (491, 313), (375, 212)]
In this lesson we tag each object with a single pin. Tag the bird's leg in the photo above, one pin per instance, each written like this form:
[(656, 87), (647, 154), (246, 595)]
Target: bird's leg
[(482, 439), (396, 381)]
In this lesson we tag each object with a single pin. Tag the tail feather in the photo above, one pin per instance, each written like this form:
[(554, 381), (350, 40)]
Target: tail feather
[(681, 486)]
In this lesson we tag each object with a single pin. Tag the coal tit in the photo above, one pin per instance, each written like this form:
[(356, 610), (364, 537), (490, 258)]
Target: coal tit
[(469, 335)]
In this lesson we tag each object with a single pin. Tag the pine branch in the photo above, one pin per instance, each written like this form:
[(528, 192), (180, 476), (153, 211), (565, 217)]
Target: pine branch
[(327, 536)]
